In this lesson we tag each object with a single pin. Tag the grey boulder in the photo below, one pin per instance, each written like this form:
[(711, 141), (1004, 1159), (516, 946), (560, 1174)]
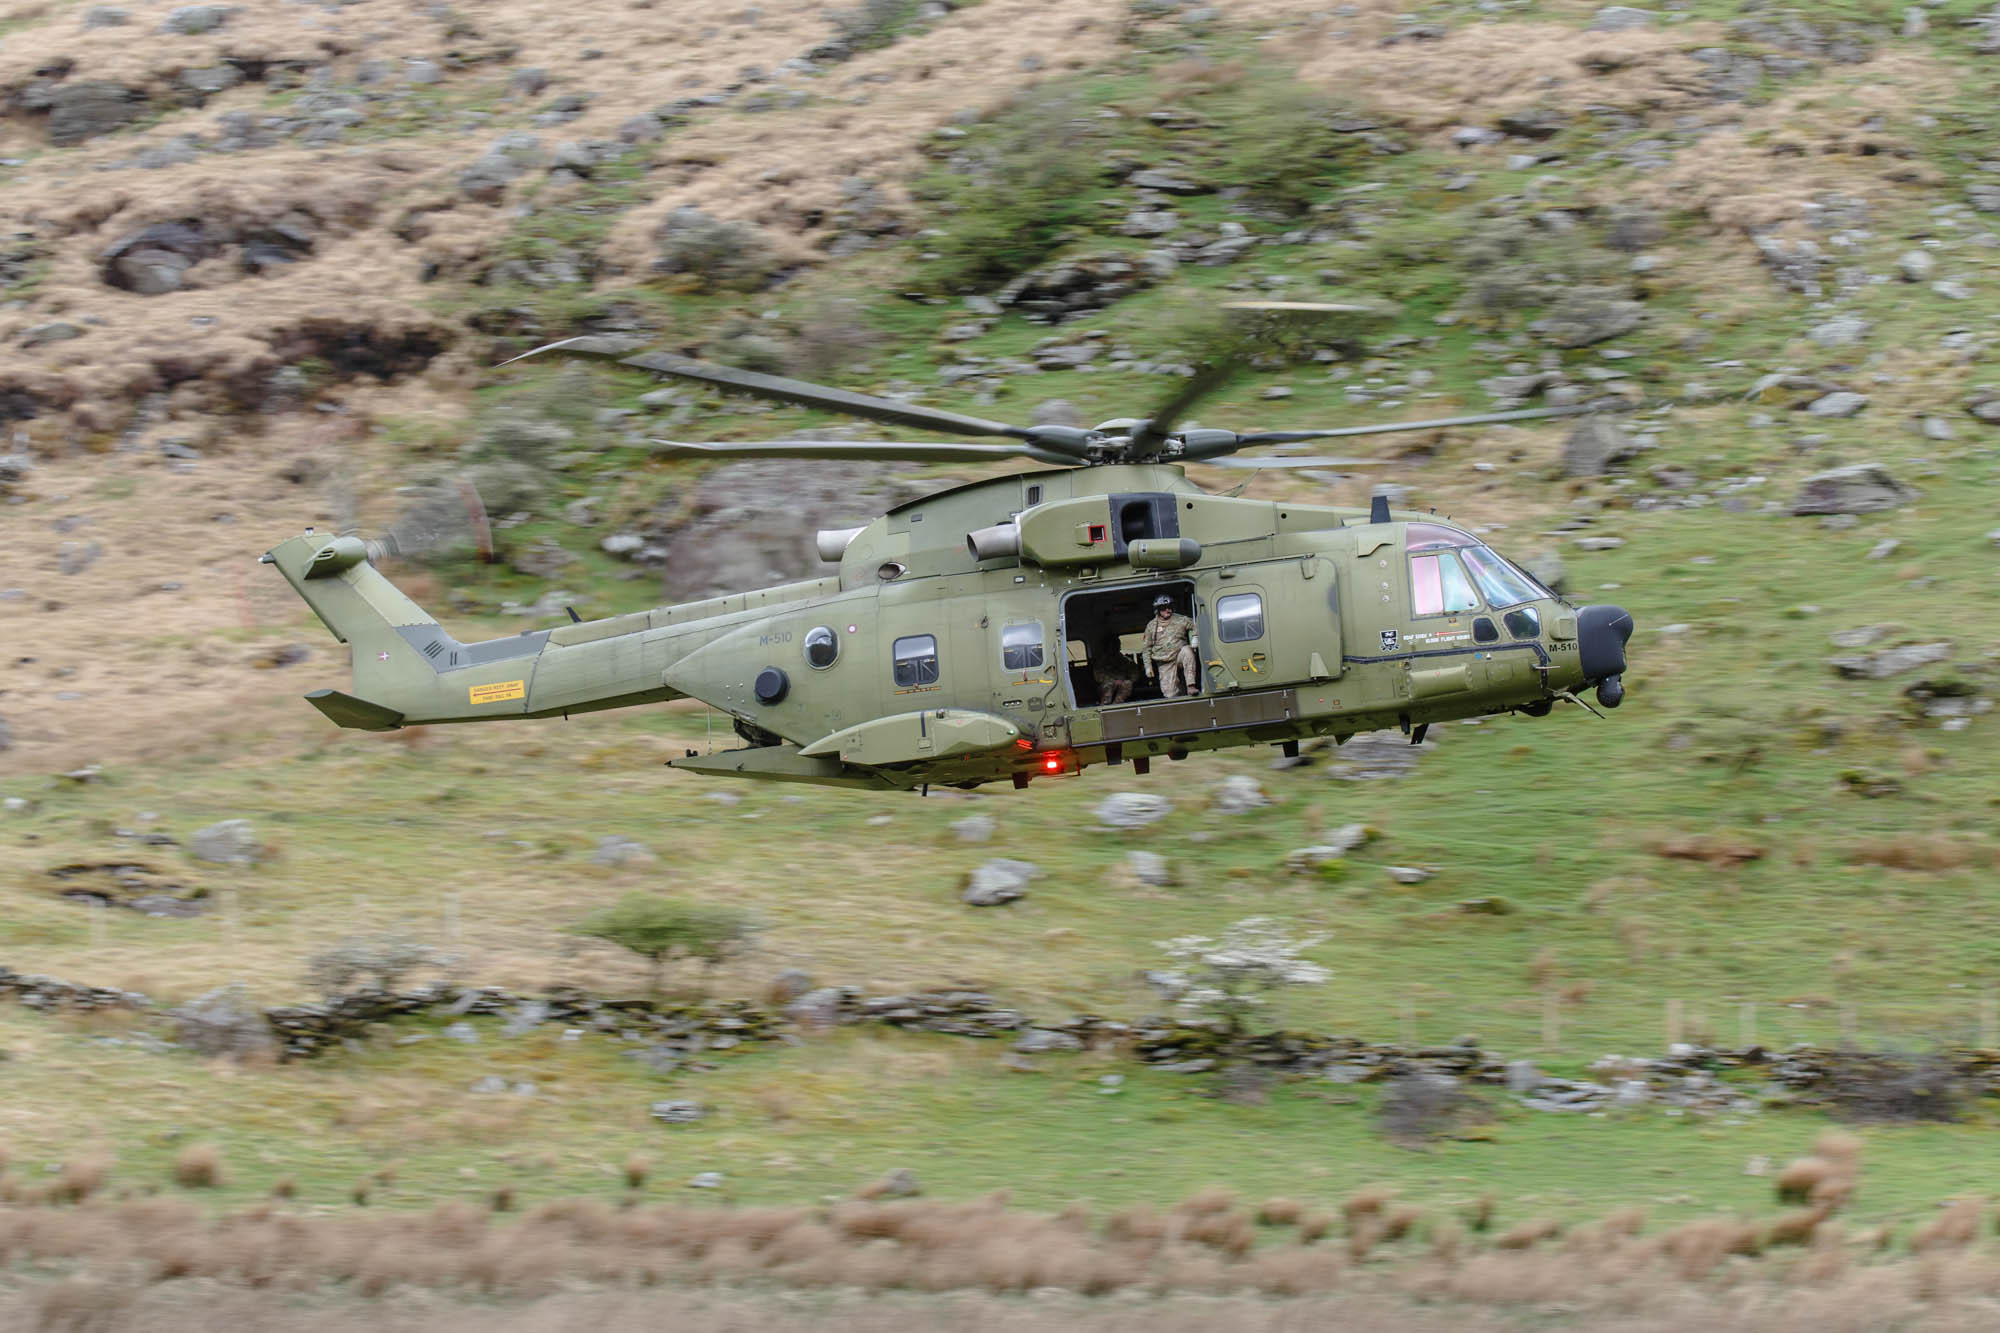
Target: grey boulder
[(1863, 488)]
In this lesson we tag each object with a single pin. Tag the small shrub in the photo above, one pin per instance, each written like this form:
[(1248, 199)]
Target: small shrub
[(1021, 187), (831, 334), (199, 1167), (636, 1170), (712, 254), (663, 929), (1225, 978), (377, 962), (1314, 1224), (873, 24), (1284, 148), (285, 1188), (502, 1199)]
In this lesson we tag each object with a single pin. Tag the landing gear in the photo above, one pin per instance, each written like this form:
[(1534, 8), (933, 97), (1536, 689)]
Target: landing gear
[(1539, 708)]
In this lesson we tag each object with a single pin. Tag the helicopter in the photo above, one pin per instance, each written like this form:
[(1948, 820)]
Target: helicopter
[(976, 634)]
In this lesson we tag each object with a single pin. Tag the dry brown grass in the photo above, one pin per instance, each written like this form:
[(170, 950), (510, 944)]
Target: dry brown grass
[(199, 1166), (920, 1246), (1280, 1212), (1909, 852), (1822, 138), (1954, 1228)]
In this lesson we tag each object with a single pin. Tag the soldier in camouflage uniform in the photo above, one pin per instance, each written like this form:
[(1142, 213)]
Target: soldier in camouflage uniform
[(1114, 674), (1170, 649)]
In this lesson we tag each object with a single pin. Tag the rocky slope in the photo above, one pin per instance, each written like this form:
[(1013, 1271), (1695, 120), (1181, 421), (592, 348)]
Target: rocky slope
[(258, 257)]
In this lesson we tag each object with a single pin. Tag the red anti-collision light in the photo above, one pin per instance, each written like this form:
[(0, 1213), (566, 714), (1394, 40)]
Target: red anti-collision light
[(1053, 763)]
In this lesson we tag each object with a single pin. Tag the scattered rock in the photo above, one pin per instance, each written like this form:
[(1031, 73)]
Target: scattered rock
[(1583, 316), (817, 1008), (223, 1022), (1885, 548), (1841, 404), (1841, 331), (1622, 18), (90, 107), (1486, 907), (1888, 662), (510, 157), (613, 850), (1863, 488), (193, 20), (228, 842), (1087, 282), (40, 335), (463, 1032), (1131, 809), (1916, 266), (1239, 794), (1411, 874), (1595, 447), (1149, 868), (1523, 1077), (677, 1113), (999, 881), (1336, 845), (975, 828), (706, 1180), (899, 1183), (1040, 1041)]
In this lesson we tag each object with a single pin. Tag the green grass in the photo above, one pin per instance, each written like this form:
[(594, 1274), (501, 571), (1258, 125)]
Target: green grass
[(479, 840)]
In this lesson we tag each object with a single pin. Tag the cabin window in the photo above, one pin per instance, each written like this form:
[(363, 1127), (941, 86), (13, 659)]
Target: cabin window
[(1239, 617), (1503, 584), (914, 660), (822, 647), (1021, 646), (1524, 623), (1438, 585)]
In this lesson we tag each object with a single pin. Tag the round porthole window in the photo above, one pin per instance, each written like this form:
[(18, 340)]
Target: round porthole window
[(822, 646)]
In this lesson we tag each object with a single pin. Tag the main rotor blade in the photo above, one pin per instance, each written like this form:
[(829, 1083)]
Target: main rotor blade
[(1207, 378), (888, 451), (780, 388), (1477, 419), (1227, 461)]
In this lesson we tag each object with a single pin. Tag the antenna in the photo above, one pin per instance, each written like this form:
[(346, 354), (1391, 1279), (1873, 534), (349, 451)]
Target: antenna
[(1378, 509)]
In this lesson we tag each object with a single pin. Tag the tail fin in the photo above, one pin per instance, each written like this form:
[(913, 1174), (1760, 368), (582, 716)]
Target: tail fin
[(364, 610)]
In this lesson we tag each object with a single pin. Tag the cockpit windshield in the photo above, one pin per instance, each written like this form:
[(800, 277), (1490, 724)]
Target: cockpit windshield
[(1503, 584)]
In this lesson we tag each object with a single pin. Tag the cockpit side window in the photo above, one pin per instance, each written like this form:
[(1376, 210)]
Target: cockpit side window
[(1438, 585), (1503, 584)]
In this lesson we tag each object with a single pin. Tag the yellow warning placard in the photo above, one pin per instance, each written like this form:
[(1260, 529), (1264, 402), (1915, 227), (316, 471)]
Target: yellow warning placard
[(499, 692)]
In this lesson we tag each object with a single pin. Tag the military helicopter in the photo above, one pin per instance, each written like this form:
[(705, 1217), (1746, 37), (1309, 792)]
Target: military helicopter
[(964, 637)]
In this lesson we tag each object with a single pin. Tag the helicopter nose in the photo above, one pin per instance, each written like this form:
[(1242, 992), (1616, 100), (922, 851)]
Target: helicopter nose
[(1601, 635)]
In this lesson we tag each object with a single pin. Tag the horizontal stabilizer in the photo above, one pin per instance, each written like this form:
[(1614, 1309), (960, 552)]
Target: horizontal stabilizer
[(347, 711)]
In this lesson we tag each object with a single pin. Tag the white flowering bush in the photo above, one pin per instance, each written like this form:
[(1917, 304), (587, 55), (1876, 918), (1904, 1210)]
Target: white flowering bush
[(1226, 977)]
